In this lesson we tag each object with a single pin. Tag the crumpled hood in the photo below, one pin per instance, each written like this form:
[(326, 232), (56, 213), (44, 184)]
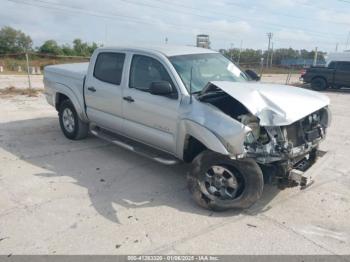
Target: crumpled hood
[(274, 105)]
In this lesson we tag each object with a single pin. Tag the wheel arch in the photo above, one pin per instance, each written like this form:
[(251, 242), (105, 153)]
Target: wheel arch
[(62, 93), (191, 133), (322, 77)]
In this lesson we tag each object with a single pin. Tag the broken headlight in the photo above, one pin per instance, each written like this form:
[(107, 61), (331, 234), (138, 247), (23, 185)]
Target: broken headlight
[(249, 138)]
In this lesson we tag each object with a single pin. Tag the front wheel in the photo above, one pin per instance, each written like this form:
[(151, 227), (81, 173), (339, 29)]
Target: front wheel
[(71, 125), (219, 183)]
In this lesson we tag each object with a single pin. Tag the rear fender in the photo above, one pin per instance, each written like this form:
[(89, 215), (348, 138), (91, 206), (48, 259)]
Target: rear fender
[(78, 103)]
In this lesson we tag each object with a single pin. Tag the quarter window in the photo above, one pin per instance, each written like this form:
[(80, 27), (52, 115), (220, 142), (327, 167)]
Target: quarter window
[(109, 67), (145, 70)]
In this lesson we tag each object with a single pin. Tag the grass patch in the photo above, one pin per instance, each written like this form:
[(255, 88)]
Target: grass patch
[(13, 91)]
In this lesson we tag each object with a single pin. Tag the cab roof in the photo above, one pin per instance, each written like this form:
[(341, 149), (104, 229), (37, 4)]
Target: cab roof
[(167, 50)]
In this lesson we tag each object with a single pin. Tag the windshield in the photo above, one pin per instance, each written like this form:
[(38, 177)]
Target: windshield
[(205, 68)]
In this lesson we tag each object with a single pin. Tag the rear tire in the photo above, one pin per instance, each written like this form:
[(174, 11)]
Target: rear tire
[(71, 125), (319, 84), (219, 194)]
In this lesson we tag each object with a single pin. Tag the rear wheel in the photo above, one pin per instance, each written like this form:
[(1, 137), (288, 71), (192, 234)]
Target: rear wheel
[(319, 84), (219, 183), (71, 125)]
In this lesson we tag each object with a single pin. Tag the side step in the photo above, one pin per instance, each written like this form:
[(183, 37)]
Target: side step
[(134, 146)]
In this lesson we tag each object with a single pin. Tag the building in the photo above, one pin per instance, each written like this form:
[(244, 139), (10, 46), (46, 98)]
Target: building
[(203, 41)]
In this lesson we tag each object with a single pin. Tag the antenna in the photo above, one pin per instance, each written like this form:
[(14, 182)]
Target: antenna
[(191, 85)]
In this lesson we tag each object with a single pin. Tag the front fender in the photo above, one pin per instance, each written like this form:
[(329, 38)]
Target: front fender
[(202, 134)]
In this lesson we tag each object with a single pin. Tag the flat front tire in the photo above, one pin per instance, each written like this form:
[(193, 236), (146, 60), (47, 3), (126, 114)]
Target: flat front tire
[(71, 125), (218, 183)]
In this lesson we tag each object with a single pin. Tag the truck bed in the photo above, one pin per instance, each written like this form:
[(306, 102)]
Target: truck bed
[(77, 70), (67, 79)]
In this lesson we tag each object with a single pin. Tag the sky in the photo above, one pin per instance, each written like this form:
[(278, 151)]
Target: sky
[(230, 23)]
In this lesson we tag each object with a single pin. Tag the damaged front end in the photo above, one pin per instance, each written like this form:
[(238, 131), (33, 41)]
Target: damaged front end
[(270, 144), (286, 125), (290, 150)]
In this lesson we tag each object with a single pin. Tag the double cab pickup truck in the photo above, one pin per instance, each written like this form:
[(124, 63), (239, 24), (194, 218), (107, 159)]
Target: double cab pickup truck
[(335, 75), (189, 104)]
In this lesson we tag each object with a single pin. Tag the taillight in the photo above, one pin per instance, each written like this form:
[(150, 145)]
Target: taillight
[(303, 72)]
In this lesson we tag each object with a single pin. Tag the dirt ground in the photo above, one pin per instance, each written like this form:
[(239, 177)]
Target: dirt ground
[(21, 81), (89, 197)]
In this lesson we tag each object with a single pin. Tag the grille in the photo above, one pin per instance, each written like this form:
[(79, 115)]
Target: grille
[(305, 130), (295, 134)]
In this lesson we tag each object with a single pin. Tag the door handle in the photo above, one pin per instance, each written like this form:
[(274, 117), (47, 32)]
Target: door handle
[(92, 89), (129, 99)]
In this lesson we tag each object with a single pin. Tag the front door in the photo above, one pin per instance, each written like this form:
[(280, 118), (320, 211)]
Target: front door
[(151, 119)]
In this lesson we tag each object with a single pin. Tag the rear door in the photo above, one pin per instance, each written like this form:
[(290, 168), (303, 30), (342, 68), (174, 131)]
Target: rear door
[(342, 74), (151, 119), (103, 90)]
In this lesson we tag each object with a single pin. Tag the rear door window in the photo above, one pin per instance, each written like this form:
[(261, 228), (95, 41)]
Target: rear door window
[(109, 67), (344, 66)]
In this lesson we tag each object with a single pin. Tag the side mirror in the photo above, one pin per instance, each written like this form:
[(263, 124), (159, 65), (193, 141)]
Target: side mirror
[(253, 76), (161, 88)]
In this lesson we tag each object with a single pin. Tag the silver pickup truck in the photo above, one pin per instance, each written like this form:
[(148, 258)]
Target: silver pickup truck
[(190, 104)]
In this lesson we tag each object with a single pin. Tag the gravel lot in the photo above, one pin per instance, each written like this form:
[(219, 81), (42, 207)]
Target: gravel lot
[(21, 81), (90, 197)]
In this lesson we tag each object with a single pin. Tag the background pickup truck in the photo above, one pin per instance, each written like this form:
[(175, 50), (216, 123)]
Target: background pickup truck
[(335, 75), (190, 104)]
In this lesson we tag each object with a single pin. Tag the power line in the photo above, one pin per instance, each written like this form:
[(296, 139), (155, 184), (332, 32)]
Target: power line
[(58, 7), (65, 8), (294, 16), (274, 25)]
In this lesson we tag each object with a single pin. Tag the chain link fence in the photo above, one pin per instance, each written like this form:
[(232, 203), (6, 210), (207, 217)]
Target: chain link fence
[(32, 63)]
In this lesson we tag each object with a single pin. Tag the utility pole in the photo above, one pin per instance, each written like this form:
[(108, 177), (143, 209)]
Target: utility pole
[(231, 52), (271, 54), (28, 73), (240, 51), (106, 35), (269, 35), (347, 42), (315, 57)]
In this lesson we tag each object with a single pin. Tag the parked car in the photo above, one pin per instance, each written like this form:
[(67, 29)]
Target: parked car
[(190, 104), (335, 75)]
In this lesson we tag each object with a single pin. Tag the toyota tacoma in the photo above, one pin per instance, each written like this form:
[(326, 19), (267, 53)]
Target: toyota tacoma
[(190, 104)]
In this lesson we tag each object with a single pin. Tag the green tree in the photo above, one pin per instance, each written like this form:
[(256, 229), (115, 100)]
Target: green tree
[(68, 50), (14, 41), (82, 48), (51, 47)]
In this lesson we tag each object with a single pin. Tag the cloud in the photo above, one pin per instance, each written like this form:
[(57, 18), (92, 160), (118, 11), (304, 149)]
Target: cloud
[(292, 35), (333, 16), (131, 21), (276, 4), (226, 29)]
